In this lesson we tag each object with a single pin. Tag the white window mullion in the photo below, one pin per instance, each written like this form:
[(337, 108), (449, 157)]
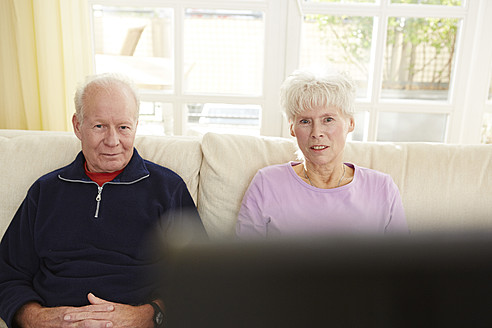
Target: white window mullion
[(471, 88), (293, 28), (178, 105), (292, 31), (377, 62), (457, 95), (274, 65)]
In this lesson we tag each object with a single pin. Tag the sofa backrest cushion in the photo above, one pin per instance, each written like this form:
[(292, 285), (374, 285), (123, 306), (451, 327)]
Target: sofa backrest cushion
[(443, 187), (27, 155), (25, 158), (229, 164), (181, 154)]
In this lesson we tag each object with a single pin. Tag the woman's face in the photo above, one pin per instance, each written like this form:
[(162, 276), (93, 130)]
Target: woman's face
[(321, 133)]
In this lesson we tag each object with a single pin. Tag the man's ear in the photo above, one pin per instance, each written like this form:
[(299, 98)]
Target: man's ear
[(292, 133), (76, 126)]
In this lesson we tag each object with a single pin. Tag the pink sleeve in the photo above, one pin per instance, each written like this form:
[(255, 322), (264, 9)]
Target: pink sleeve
[(398, 221), (251, 221)]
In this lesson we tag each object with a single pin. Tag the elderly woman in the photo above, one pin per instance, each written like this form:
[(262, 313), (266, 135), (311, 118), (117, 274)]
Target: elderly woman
[(321, 194)]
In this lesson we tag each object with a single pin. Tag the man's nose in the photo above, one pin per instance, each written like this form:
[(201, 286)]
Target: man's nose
[(112, 139)]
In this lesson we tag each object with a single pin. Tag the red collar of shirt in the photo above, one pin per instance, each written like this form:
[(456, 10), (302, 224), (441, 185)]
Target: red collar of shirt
[(101, 178)]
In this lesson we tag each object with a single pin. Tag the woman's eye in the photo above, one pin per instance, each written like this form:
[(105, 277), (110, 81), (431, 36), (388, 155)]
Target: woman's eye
[(98, 126), (328, 119), (304, 121)]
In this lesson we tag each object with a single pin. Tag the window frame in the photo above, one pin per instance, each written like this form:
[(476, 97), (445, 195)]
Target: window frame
[(273, 73), (461, 120), (468, 92)]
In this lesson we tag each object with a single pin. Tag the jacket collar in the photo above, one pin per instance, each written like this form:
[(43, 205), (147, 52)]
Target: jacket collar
[(134, 170)]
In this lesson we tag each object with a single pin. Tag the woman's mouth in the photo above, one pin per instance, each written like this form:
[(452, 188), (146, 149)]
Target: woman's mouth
[(319, 147)]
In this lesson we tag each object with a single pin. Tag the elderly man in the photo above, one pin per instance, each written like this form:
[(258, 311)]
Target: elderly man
[(77, 252)]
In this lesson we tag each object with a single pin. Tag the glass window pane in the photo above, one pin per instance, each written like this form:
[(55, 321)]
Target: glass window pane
[(419, 58), (225, 49), (430, 2), (343, 1), (487, 128), (156, 118), (342, 42), (224, 118), (409, 127), (136, 42)]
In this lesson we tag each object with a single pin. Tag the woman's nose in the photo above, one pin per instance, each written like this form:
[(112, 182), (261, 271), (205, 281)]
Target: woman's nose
[(316, 130)]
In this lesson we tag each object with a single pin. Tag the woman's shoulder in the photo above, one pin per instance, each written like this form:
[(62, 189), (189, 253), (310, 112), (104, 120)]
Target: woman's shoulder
[(282, 167), (276, 171), (369, 172), (372, 176)]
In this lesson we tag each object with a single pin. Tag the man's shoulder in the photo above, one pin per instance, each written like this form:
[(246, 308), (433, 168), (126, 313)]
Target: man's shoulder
[(157, 170), (53, 175), (49, 180)]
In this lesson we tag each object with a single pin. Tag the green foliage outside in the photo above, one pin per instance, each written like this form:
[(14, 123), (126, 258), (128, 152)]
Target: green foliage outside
[(414, 45)]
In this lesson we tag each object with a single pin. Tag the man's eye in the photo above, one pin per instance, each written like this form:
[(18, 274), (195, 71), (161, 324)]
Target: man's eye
[(304, 121), (328, 119), (98, 126)]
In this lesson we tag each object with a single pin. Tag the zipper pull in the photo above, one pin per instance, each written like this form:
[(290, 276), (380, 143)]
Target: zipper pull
[(99, 191), (98, 200)]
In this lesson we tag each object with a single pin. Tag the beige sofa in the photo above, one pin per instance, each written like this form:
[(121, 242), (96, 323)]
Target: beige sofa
[(443, 187)]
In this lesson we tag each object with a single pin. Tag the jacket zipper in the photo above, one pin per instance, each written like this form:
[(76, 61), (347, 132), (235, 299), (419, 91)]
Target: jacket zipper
[(100, 189), (98, 200)]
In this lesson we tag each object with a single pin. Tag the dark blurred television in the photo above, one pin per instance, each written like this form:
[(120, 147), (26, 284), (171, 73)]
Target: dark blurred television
[(425, 280)]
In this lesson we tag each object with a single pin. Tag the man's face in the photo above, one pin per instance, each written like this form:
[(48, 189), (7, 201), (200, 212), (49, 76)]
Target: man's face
[(107, 131)]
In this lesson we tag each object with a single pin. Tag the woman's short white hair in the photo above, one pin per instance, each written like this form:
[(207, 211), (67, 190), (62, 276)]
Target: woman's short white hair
[(103, 81), (306, 89)]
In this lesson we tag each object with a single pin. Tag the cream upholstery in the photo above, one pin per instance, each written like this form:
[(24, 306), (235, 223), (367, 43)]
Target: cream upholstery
[(26, 155), (444, 187), (229, 164), (23, 159), (183, 155)]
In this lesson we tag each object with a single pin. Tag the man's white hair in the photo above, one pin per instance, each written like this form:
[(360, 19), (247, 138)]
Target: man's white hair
[(103, 81)]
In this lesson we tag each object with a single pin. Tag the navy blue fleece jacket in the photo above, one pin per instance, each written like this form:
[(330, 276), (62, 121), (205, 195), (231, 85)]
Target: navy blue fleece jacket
[(71, 237)]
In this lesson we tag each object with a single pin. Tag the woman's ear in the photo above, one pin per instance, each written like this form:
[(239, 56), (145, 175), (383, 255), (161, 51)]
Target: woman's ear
[(351, 124), (292, 133)]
